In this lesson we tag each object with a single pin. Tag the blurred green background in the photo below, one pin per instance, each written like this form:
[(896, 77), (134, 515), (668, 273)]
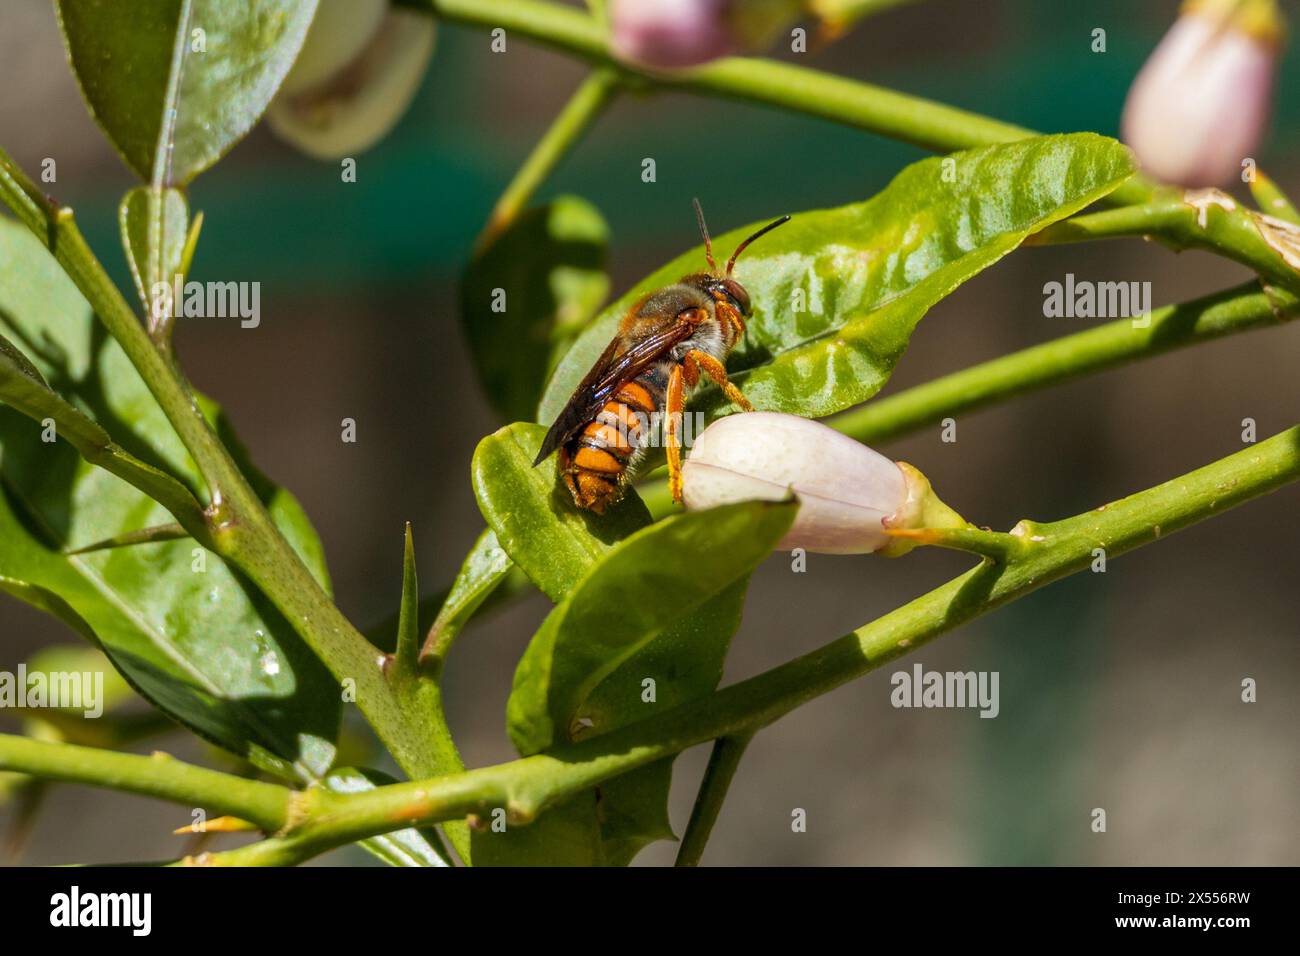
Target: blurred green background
[(1118, 690)]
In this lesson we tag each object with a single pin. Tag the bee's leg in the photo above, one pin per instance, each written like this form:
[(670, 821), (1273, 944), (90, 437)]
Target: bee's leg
[(735, 321), (697, 361), (674, 404)]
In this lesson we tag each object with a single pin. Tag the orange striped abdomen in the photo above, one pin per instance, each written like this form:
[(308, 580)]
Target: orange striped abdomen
[(594, 463)]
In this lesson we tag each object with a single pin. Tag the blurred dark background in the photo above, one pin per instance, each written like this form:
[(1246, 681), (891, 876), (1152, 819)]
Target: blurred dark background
[(1118, 690)]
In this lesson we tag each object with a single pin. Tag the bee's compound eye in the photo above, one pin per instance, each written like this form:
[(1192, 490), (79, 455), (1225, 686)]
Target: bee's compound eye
[(736, 292)]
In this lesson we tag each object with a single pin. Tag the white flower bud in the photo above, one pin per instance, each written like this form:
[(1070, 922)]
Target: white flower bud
[(339, 33), (846, 491), (358, 70), (1200, 105)]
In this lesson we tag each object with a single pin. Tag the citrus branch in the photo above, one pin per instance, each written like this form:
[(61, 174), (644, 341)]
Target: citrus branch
[(314, 821), (238, 526)]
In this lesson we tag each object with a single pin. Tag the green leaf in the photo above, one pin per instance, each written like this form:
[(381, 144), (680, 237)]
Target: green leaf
[(17, 367), (525, 298), (175, 84), (204, 647), (47, 601), (155, 225), (409, 847), (567, 834), (557, 547), (837, 293), (566, 685), (533, 516), (482, 573), (23, 388)]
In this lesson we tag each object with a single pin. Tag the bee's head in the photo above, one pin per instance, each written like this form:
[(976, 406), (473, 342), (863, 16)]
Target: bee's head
[(720, 284), (732, 291)]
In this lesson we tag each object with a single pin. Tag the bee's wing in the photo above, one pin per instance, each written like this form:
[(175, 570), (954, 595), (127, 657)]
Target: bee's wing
[(612, 369)]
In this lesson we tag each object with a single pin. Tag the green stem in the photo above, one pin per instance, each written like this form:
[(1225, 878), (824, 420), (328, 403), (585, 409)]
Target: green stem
[(172, 531), (723, 761), (23, 391), (159, 776), (1055, 550), (1106, 346), (578, 114), (56, 226), (897, 115), (911, 119), (1197, 219), (1271, 200), (842, 14), (318, 821), (420, 699), (993, 545)]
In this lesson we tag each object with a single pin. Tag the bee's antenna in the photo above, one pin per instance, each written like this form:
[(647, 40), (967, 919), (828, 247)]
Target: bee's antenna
[(731, 264), (704, 231)]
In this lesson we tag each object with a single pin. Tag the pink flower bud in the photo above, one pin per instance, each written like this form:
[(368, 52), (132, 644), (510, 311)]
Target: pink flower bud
[(669, 34), (846, 491), (1200, 105)]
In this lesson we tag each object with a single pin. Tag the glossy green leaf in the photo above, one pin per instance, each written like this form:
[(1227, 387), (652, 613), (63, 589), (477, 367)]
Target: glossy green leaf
[(409, 847), (837, 293), (174, 84), (658, 577), (485, 569), (46, 600), (18, 367), (202, 645), (628, 812), (155, 225), (558, 547), (533, 516), (525, 298), (567, 834), (24, 389)]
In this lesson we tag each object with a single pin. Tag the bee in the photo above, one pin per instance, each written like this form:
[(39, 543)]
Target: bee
[(665, 342)]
